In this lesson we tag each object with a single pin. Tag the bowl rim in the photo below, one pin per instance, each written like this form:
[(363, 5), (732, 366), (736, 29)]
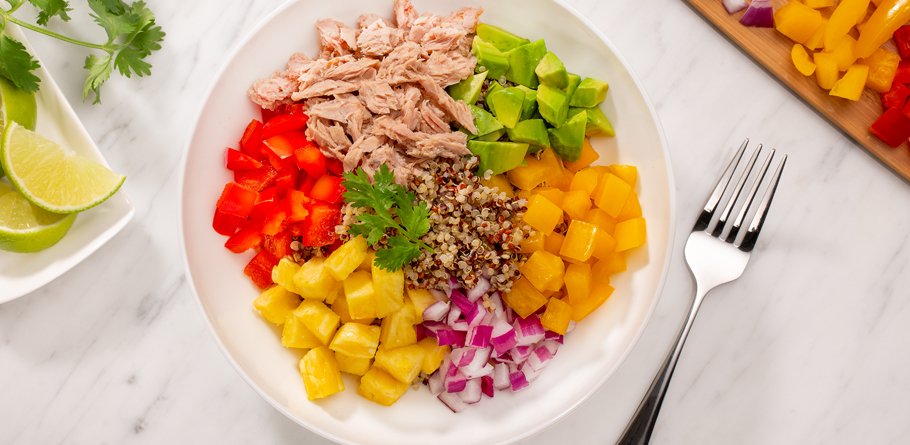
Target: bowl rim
[(533, 431)]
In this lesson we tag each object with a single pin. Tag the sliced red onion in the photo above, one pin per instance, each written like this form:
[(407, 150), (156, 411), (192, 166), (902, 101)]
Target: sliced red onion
[(463, 356), (471, 392), (518, 381), (521, 353), (434, 326), (481, 288), (550, 335), (475, 315), (455, 383), (486, 385), (529, 330), (446, 337), (479, 336), (421, 331), (453, 402), (460, 337), (759, 14), (454, 315), (435, 383), (529, 373), (461, 301), (436, 311), (439, 295), (500, 376), (503, 343), (539, 358), (734, 6), (551, 345), (461, 325)]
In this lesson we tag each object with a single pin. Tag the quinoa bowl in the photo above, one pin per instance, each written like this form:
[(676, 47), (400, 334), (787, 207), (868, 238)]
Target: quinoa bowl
[(597, 348)]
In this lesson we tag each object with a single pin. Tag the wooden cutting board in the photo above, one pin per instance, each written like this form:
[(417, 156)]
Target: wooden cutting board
[(772, 50)]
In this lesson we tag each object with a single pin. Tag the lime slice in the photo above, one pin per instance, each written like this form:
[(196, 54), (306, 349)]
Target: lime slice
[(52, 177), (24, 227), (16, 105)]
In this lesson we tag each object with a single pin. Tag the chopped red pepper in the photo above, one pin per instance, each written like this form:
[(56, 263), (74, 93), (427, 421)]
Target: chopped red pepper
[(319, 227), (312, 160), (335, 166), (286, 165), (274, 221), (286, 181), (236, 200), (307, 185), (251, 142), (328, 188), (295, 229), (903, 72), (248, 237), (902, 40), (284, 144), (896, 97), (893, 127), (259, 269), (265, 202), (284, 123), (267, 114), (260, 178), (225, 224), (278, 245), (235, 160), (297, 206)]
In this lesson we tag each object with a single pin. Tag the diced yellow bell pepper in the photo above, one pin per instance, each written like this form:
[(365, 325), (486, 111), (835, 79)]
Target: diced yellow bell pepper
[(826, 73), (380, 387), (542, 214), (588, 156), (847, 14), (529, 176), (580, 242), (851, 85), (576, 203), (346, 258), (352, 365), (275, 303), (816, 4), (553, 242), (600, 219), (630, 233), (614, 263), (544, 270), (321, 376), (318, 318), (434, 354), (555, 195), (631, 209), (557, 316), (599, 294), (614, 195), (532, 243), (524, 298), (797, 21), (816, 41), (356, 340), (844, 53), (501, 184), (801, 60), (888, 16), (882, 68), (585, 179), (604, 245), (556, 173), (628, 173), (283, 274), (578, 282)]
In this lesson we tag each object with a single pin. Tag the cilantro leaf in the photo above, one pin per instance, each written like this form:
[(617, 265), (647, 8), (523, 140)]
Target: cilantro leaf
[(400, 252), (115, 6), (149, 39), (128, 59), (50, 8), (414, 217), (114, 24), (16, 64), (371, 226), (99, 70), (361, 193)]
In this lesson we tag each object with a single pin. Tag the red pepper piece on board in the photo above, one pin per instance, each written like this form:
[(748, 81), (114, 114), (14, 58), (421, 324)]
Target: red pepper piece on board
[(902, 40), (259, 269), (235, 160), (311, 159), (248, 237), (284, 123), (893, 127), (329, 189), (251, 142), (319, 227), (225, 224), (903, 72), (896, 97), (260, 178), (236, 200)]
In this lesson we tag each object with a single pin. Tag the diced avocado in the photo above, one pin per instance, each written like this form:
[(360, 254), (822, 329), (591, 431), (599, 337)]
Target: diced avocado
[(484, 121), (522, 62), (497, 156), (489, 59), (500, 38), (567, 140), (494, 86), (530, 105), (552, 104), (574, 81), (507, 104), (468, 90), (589, 93), (532, 149), (597, 121), (494, 136), (532, 131), (551, 71)]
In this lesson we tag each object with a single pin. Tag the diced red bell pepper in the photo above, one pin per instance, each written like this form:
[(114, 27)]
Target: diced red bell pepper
[(259, 269), (893, 127), (248, 237), (236, 200), (265, 202), (235, 160), (286, 165), (328, 188), (284, 144), (260, 178), (335, 166), (251, 142), (295, 229), (307, 185), (896, 97), (902, 40), (267, 114), (312, 160), (319, 227), (286, 181), (298, 202), (275, 220), (278, 245), (903, 72), (284, 123), (225, 224)]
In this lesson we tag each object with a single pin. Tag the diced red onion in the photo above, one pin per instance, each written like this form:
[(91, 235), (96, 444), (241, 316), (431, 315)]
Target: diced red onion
[(502, 343), (471, 392), (485, 370), (486, 385), (421, 331), (463, 356), (454, 314), (513, 368), (454, 284), (551, 345), (521, 353), (571, 327), (436, 311), (434, 326), (518, 381), (539, 358), (446, 337), (453, 402), (759, 14), (530, 373), (510, 314), (455, 383), (460, 337), (460, 325), (550, 335), (496, 302), (734, 6), (478, 365), (529, 330), (475, 315), (479, 336), (439, 295), (461, 301), (482, 287), (435, 383), (500, 376)]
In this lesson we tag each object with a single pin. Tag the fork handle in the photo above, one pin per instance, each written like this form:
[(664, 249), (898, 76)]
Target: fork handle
[(639, 430)]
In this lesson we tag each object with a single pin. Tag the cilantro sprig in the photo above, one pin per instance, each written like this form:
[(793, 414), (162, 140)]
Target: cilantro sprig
[(394, 208), (131, 37)]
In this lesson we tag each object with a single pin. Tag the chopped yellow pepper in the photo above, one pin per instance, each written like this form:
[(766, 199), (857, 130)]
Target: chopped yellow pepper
[(815, 42), (882, 68), (826, 72), (801, 60), (819, 3), (797, 21), (852, 84), (844, 54), (888, 16), (844, 17)]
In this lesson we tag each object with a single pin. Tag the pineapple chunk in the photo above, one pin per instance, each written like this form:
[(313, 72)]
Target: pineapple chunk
[(340, 307), (314, 282), (318, 318), (296, 335), (360, 295), (402, 363), (422, 299), (398, 327), (283, 274), (275, 303), (389, 290), (434, 354), (378, 386), (321, 376), (346, 258), (367, 263), (356, 340), (352, 365)]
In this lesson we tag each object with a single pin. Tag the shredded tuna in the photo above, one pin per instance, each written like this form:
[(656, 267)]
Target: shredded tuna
[(405, 14), (432, 119), (337, 39), (379, 97), (271, 92), (378, 39)]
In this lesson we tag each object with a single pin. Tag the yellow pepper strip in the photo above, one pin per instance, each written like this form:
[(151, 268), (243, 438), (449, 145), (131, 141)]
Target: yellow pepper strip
[(797, 21), (889, 16), (845, 53), (851, 85), (801, 60), (842, 20), (826, 73), (882, 68), (815, 42), (815, 4)]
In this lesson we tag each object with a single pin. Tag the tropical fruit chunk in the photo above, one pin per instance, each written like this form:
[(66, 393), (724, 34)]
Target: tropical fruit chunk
[(389, 288), (544, 270), (340, 307), (614, 194), (360, 294), (356, 340), (630, 233), (578, 282), (321, 376), (581, 240), (314, 281), (402, 363), (434, 354), (542, 214), (318, 319), (283, 274), (599, 294), (275, 303), (398, 327), (421, 299), (296, 335), (352, 365), (380, 387), (346, 258)]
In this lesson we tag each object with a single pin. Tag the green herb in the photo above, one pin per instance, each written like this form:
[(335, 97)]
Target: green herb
[(131, 37), (394, 208)]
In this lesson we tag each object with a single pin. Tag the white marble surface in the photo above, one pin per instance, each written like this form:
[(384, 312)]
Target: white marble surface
[(809, 346)]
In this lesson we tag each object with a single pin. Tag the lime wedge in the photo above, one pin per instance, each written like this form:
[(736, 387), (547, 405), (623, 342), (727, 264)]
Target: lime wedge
[(16, 105), (52, 177), (24, 227)]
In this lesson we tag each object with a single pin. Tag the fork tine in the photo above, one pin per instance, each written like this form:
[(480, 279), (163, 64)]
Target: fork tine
[(737, 224), (755, 227), (722, 220), (708, 211)]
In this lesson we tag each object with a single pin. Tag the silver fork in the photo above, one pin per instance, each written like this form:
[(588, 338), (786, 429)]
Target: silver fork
[(714, 258)]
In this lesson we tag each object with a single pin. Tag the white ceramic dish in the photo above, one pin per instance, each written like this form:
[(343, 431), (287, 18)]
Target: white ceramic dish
[(23, 273), (592, 353)]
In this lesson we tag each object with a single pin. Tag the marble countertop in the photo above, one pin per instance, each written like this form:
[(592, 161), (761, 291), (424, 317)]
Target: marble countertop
[(809, 346)]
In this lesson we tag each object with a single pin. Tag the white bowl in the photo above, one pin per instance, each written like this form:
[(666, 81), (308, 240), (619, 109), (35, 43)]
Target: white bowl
[(592, 353)]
